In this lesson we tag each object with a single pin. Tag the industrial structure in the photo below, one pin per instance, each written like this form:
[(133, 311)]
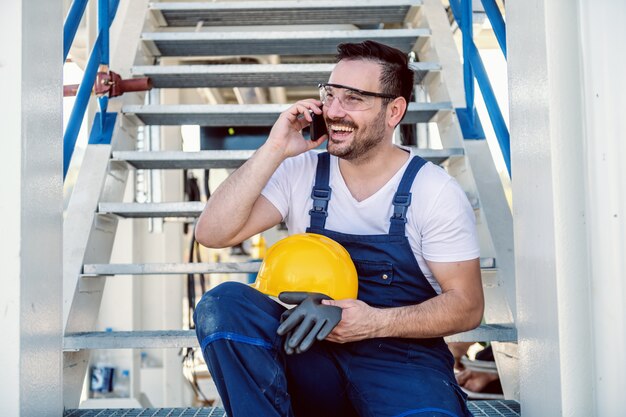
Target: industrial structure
[(100, 268)]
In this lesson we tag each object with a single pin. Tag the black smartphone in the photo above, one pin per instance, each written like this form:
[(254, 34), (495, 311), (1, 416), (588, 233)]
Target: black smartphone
[(318, 126)]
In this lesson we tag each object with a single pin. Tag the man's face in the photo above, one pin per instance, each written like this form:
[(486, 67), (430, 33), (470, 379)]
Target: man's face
[(352, 133)]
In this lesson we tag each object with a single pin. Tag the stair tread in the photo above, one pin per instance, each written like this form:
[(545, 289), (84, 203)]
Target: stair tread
[(279, 42), (482, 408), (148, 339), (232, 115), (231, 158), (172, 268), (147, 210), (282, 12), (495, 332), (253, 75)]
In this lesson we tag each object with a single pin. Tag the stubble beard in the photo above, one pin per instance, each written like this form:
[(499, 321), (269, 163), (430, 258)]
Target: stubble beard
[(363, 142)]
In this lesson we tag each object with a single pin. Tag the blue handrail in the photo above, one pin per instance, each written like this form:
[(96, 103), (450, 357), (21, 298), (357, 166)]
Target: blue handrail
[(77, 9), (493, 109), (473, 68), (497, 23), (99, 55)]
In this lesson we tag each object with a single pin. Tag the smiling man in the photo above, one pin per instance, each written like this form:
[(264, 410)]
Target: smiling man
[(408, 228)]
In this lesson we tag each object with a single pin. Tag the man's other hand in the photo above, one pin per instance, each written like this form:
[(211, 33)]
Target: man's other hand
[(358, 321)]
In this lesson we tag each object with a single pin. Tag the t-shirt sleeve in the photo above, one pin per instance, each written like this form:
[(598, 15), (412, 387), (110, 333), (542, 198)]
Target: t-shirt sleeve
[(449, 232), (277, 189)]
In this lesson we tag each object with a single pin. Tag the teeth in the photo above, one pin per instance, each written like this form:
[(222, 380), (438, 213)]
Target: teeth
[(342, 128)]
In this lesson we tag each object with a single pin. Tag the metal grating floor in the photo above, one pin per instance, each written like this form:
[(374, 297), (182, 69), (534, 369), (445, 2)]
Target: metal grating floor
[(497, 408), (506, 408), (148, 412)]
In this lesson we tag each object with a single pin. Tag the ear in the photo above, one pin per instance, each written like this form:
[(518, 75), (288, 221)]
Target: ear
[(395, 111)]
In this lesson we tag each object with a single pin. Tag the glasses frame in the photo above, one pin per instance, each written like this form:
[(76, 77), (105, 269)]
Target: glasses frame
[(356, 90)]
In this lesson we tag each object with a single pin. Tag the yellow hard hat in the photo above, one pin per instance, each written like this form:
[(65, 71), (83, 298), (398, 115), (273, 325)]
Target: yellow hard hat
[(308, 262)]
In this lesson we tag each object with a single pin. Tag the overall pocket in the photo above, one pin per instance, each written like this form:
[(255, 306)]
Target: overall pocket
[(375, 282)]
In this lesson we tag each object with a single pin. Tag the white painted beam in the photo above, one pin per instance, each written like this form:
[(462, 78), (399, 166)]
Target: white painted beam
[(603, 64), (567, 105), (31, 208)]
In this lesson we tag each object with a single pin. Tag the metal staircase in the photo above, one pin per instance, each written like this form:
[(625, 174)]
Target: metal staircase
[(179, 34)]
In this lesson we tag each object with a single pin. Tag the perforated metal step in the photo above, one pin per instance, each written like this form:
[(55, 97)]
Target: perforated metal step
[(178, 209), (495, 408), (96, 270), (232, 159), (156, 210), (273, 42), (93, 270), (501, 408), (363, 12), (148, 412), (262, 75), (155, 339), (230, 115)]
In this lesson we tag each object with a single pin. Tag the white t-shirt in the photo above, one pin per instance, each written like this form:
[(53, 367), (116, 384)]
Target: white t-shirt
[(440, 227)]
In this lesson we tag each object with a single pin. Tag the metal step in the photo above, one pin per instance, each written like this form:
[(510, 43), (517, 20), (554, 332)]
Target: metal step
[(232, 159), (261, 75), (149, 210), (491, 408), (363, 12), (98, 270), (147, 412), (159, 339), (230, 115), (487, 333), (273, 42), (494, 408), (176, 209)]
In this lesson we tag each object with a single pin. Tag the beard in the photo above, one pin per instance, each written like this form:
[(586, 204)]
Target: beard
[(364, 139)]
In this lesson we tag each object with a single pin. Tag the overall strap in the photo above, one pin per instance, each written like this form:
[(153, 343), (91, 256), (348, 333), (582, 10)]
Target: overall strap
[(321, 192), (402, 197)]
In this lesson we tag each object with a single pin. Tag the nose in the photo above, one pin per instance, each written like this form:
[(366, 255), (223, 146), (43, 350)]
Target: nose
[(334, 110)]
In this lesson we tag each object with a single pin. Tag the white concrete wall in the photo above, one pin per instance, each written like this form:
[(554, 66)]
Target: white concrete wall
[(31, 208), (566, 68)]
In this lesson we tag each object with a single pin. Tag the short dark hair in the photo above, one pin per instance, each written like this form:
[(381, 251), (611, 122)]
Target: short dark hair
[(396, 77)]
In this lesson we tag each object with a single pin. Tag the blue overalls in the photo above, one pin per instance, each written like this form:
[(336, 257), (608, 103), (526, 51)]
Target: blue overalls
[(236, 327)]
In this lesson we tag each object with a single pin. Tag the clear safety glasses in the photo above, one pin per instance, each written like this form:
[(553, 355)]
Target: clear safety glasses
[(350, 98)]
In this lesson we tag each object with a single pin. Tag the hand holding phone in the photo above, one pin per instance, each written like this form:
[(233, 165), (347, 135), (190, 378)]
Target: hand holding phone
[(318, 126)]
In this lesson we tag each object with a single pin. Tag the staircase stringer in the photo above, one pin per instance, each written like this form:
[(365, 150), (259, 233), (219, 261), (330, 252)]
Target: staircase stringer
[(440, 48), (477, 175), (88, 237)]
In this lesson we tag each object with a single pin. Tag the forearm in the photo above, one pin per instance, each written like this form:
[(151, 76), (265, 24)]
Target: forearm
[(230, 206), (443, 315), (235, 211)]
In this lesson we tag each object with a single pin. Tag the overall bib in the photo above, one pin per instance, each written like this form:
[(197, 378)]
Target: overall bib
[(394, 377)]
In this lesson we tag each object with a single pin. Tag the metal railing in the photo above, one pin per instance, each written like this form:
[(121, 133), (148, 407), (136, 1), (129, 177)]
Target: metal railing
[(473, 68), (99, 58)]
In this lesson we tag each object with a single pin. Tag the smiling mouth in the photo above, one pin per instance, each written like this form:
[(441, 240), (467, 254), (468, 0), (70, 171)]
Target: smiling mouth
[(340, 131)]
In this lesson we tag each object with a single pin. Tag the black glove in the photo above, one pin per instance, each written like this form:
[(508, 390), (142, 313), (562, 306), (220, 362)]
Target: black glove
[(309, 321)]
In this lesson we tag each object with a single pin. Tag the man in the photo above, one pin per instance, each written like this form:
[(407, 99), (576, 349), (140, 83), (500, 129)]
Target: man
[(408, 228)]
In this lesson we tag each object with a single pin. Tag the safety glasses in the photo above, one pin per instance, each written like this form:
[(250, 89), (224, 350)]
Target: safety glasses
[(350, 98)]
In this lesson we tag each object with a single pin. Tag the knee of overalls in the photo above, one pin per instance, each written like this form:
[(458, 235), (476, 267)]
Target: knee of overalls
[(233, 308)]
